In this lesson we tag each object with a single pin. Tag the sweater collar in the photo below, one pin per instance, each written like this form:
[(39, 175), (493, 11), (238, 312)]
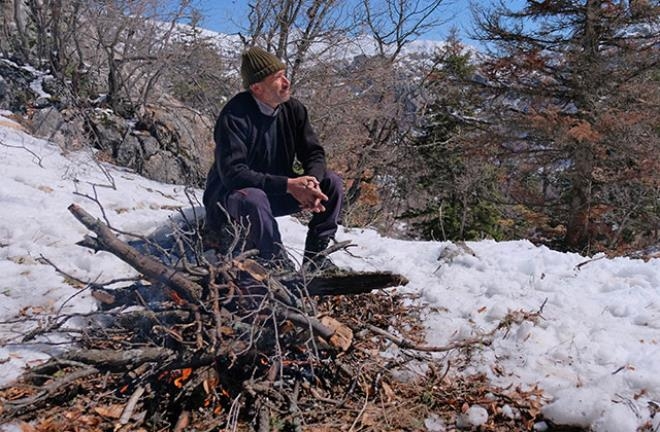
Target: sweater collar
[(266, 109)]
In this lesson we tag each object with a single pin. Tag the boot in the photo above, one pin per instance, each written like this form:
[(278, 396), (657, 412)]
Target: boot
[(314, 258)]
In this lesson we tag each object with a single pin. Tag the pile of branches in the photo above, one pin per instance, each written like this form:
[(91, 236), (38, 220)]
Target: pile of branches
[(225, 344)]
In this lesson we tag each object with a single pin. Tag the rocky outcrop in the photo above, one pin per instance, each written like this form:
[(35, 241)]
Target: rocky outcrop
[(171, 143), (167, 142), (181, 133), (65, 128), (15, 92)]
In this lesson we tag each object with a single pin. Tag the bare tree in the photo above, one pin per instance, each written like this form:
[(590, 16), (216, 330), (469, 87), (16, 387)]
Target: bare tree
[(298, 31), (393, 97), (394, 23), (119, 48), (39, 32), (136, 40), (15, 38)]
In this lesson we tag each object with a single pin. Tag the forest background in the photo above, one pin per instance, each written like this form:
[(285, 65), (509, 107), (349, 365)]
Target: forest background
[(548, 131)]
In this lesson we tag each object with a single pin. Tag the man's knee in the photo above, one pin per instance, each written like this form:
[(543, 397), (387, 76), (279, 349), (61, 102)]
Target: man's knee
[(244, 201), (332, 183)]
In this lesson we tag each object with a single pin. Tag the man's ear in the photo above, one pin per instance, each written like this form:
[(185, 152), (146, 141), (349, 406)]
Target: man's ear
[(256, 89)]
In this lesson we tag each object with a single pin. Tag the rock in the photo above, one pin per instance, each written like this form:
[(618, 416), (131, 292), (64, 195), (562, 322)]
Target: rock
[(15, 92), (150, 145), (47, 122), (3, 88), (183, 132), (129, 153), (64, 128), (42, 102), (108, 131), (164, 167), (170, 143), (60, 94)]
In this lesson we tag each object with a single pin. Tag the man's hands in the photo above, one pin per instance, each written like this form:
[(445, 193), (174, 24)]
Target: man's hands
[(307, 191)]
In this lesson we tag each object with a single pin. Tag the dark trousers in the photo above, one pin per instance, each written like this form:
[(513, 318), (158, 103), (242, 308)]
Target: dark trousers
[(254, 207)]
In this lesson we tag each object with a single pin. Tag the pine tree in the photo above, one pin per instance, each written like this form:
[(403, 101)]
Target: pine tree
[(451, 177), (576, 112)]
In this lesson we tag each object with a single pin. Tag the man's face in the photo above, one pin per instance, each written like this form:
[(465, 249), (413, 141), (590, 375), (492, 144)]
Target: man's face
[(274, 89)]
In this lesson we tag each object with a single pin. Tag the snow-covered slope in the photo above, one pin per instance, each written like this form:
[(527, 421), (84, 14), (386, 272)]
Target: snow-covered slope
[(595, 352)]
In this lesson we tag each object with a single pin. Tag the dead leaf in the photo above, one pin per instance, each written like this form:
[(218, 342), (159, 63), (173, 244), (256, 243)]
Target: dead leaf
[(371, 416), (74, 283), (211, 381), (388, 393), (26, 427), (497, 369), (103, 297), (287, 327), (109, 411), (170, 207), (256, 270)]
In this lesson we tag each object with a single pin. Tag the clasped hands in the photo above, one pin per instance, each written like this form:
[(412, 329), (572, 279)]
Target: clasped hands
[(307, 191)]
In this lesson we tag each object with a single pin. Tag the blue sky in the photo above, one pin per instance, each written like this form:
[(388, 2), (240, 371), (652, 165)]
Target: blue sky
[(226, 16)]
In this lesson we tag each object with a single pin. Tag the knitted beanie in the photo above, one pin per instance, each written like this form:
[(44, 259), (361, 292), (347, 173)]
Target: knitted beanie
[(257, 64)]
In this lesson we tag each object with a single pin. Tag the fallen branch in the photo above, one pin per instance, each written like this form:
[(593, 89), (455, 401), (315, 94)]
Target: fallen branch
[(348, 283), (150, 267), (408, 344), (113, 360), (513, 317), (130, 406), (46, 394)]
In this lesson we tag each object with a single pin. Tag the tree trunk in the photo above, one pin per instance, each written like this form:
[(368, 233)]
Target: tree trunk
[(19, 20), (577, 233)]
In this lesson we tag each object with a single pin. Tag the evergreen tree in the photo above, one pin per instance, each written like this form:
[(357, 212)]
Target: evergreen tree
[(453, 179), (575, 114)]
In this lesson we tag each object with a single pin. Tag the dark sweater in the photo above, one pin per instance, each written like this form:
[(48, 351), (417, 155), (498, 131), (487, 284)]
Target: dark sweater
[(256, 150)]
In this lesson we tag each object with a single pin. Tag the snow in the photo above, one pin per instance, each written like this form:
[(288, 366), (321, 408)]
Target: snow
[(594, 352), (37, 85), (420, 50), (434, 424), (474, 416)]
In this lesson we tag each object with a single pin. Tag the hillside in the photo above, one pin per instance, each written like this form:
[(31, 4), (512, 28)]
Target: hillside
[(592, 351)]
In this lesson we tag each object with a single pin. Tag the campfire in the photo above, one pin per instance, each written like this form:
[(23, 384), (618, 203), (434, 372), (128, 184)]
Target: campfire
[(210, 341)]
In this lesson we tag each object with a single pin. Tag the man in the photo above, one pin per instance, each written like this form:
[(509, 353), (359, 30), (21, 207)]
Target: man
[(259, 134)]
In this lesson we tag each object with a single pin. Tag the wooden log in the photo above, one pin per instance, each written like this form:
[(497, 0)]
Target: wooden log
[(349, 283), (118, 360), (148, 266)]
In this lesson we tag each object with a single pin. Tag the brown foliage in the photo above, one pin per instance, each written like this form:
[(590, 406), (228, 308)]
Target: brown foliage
[(581, 133)]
